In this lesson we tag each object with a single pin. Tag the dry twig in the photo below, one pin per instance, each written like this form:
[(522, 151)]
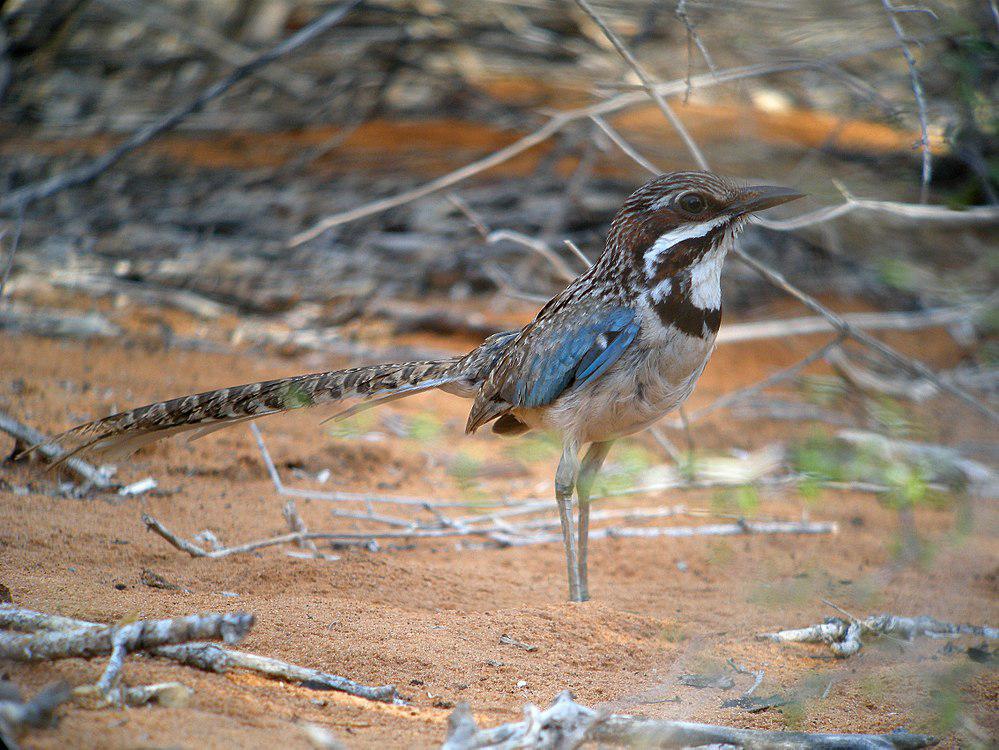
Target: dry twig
[(91, 475), (843, 636), (648, 84), (207, 656), (917, 90), (566, 725)]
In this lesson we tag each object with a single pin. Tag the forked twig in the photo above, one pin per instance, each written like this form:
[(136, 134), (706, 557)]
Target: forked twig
[(648, 84), (207, 656), (566, 725)]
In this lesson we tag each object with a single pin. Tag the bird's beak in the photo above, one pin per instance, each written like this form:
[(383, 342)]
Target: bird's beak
[(759, 197)]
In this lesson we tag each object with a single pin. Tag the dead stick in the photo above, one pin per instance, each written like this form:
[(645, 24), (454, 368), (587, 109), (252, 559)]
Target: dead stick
[(648, 84), (30, 436), (135, 636), (207, 656), (837, 321), (559, 121), (917, 90), (567, 724)]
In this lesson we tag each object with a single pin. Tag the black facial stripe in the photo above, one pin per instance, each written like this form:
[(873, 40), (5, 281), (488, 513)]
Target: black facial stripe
[(685, 253), (677, 310)]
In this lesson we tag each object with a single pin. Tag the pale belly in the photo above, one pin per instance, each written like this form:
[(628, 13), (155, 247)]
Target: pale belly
[(649, 381)]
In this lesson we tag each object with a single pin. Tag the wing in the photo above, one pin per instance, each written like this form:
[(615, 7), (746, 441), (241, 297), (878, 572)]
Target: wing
[(557, 353)]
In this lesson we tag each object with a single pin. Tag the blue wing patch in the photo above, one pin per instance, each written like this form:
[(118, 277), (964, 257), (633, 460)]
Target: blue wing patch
[(575, 354)]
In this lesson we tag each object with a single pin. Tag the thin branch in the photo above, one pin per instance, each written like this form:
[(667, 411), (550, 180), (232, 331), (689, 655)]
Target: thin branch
[(973, 215), (648, 84), (90, 171), (558, 122), (692, 36), (780, 376), (837, 321), (630, 151), (917, 90), (18, 228), (214, 658)]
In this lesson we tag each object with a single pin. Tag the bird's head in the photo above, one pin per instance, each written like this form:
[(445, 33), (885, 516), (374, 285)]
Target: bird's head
[(675, 219)]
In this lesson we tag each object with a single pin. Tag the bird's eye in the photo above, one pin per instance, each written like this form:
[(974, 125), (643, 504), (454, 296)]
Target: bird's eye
[(692, 203)]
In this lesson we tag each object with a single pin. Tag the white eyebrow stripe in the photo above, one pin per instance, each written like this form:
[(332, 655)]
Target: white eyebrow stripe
[(675, 236)]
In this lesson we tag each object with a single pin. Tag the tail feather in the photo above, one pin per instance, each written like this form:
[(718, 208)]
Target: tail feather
[(121, 434)]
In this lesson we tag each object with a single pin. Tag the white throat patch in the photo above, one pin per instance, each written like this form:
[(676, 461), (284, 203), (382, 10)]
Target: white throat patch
[(705, 279)]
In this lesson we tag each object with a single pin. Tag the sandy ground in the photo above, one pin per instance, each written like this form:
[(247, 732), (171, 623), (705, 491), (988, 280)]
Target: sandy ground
[(429, 617)]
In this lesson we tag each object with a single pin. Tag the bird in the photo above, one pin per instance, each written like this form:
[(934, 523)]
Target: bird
[(618, 348)]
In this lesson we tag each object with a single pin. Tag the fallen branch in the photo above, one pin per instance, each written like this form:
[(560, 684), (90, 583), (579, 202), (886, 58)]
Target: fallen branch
[(92, 475), (844, 636), (212, 658), (566, 725), (137, 636), (206, 656)]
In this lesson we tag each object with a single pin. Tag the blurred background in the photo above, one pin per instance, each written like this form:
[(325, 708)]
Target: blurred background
[(200, 192)]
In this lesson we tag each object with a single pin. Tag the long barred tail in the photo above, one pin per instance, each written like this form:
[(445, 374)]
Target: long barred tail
[(121, 434)]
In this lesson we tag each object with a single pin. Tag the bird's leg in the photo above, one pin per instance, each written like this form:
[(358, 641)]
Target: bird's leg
[(565, 482), (592, 462)]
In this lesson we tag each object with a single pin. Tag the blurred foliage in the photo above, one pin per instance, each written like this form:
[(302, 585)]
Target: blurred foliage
[(353, 427), (821, 459), (744, 500), (971, 58), (629, 460), (424, 427)]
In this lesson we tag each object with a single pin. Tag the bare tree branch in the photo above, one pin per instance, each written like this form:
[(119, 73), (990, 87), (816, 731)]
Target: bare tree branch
[(558, 122), (648, 83), (87, 172), (917, 90)]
